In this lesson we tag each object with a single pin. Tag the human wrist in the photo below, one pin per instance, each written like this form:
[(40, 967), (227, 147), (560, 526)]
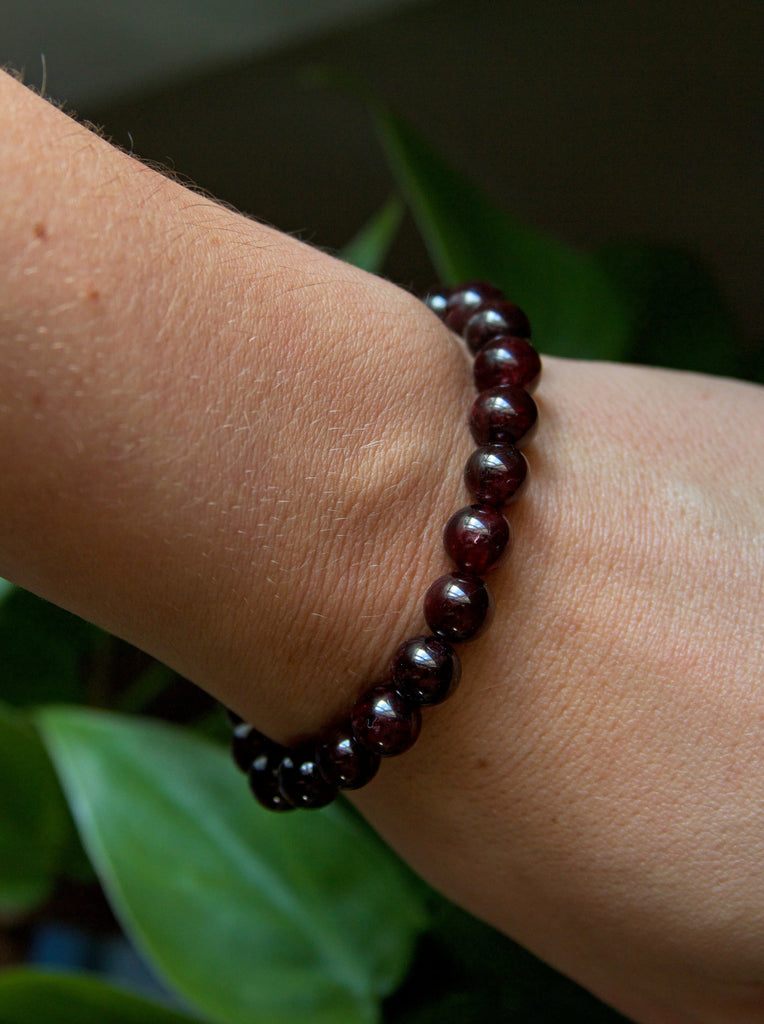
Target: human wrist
[(385, 720), (610, 734), (378, 472), (184, 358)]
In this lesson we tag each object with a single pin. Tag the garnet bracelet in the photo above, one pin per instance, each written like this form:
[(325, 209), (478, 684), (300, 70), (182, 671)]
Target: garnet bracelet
[(425, 670)]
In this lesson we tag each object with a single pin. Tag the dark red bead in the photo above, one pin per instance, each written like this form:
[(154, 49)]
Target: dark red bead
[(496, 474), (385, 722), (458, 607), (436, 300), (477, 538), (507, 360), (426, 670), (301, 782), (264, 779), (465, 299), (246, 744), (503, 415), (344, 761), (492, 319)]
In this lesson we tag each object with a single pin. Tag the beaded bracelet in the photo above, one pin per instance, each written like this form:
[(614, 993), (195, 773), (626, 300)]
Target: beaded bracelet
[(425, 669)]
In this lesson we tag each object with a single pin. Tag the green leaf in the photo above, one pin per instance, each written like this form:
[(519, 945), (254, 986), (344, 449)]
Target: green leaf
[(679, 316), (6, 589), (36, 997), (369, 249), (33, 817), (571, 302), (41, 650), (250, 915)]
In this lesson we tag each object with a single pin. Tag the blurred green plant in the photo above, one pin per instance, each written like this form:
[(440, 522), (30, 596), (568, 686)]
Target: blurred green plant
[(251, 918)]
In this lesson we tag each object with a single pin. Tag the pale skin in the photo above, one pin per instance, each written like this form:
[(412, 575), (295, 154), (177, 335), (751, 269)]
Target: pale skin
[(238, 453)]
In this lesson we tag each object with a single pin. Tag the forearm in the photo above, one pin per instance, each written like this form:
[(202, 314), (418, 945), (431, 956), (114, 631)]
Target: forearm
[(239, 454), (211, 434)]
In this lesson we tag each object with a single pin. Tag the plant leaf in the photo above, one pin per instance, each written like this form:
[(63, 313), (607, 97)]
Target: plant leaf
[(369, 249), (37, 997), (571, 302), (249, 915), (33, 817)]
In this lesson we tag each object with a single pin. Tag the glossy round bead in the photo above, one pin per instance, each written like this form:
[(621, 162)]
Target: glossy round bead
[(466, 299), (246, 744), (503, 415), (458, 607), (496, 474), (264, 779), (385, 722), (507, 360), (437, 300), (477, 538), (493, 319), (344, 761), (301, 782), (426, 670)]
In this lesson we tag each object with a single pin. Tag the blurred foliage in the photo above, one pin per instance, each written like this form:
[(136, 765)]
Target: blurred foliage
[(35, 997), (43, 650), (250, 917), (33, 818), (677, 315), (372, 243), (567, 295)]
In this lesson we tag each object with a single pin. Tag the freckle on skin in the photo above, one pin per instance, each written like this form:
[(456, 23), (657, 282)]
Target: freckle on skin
[(40, 231)]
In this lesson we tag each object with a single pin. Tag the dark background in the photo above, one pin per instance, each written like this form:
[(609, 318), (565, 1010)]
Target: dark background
[(593, 120)]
